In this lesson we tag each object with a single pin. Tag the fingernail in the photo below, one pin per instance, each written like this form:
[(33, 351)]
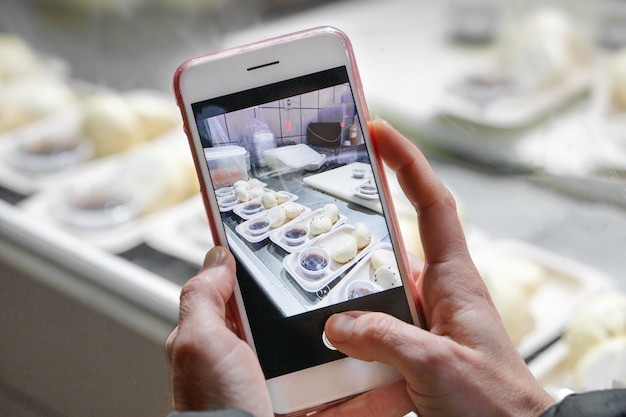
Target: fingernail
[(340, 327), (215, 257)]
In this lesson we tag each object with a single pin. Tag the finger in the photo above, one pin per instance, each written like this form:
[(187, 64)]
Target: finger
[(389, 401), (209, 291), (380, 337), (440, 228)]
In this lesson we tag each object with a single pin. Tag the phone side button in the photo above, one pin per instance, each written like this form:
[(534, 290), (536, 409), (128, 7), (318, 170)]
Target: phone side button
[(327, 342)]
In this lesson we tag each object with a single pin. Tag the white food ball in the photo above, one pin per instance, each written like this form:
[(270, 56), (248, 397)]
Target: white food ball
[(512, 282), (269, 200), (543, 48), (255, 183), (157, 114), (281, 197), (16, 57), (320, 224), (618, 78), (331, 211), (512, 303), (362, 235), (30, 98), (242, 194), (276, 216), (382, 257), (387, 277), (344, 250), (600, 318), (255, 192), (241, 183), (523, 274), (111, 124), (293, 210), (603, 366)]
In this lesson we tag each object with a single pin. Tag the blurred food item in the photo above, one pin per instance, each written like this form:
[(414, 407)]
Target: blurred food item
[(473, 21), (16, 58), (156, 113), (141, 182), (617, 76), (603, 366), (29, 98), (512, 282), (165, 173), (112, 124), (116, 122), (601, 318), (542, 49)]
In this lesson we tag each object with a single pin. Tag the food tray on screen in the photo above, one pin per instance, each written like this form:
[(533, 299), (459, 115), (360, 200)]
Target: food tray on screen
[(290, 262), (239, 208), (244, 232), (278, 239), (342, 183), (363, 271), (565, 284)]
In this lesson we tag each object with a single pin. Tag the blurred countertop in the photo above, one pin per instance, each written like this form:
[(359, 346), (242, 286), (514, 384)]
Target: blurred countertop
[(403, 52)]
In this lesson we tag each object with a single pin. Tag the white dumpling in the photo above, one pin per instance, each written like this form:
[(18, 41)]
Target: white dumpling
[(281, 197), (157, 114), (293, 210), (320, 224), (598, 319), (241, 183), (387, 277), (276, 216), (331, 211), (269, 200), (362, 235), (255, 192), (242, 194), (111, 124), (344, 250), (382, 257), (255, 183), (31, 98)]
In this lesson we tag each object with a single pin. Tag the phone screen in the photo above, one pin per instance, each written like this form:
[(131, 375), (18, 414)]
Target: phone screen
[(300, 207)]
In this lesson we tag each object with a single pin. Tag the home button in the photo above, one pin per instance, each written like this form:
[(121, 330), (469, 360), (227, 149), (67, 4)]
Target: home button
[(327, 342)]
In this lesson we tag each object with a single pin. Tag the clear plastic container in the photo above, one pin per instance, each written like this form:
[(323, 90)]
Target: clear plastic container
[(227, 164)]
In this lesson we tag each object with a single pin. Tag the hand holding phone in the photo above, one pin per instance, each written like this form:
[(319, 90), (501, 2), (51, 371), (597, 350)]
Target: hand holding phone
[(465, 365)]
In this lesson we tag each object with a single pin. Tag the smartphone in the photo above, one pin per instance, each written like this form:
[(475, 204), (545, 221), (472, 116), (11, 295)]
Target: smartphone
[(293, 186)]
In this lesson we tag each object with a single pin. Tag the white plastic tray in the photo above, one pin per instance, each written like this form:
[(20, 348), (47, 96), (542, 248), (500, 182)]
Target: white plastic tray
[(238, 209), (290, 262), (243, 231), (363, 271), (278, 239)]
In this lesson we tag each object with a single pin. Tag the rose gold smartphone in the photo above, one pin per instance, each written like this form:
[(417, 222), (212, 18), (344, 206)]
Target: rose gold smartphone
[(293, 186)]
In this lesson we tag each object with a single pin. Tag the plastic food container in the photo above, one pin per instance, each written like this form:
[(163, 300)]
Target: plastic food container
[(227, 164), (294, 157)]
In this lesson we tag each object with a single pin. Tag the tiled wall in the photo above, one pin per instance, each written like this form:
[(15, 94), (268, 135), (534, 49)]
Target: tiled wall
[(287, 118)]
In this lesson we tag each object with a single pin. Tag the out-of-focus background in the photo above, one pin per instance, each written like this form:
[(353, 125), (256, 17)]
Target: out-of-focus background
[(519, 105)]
